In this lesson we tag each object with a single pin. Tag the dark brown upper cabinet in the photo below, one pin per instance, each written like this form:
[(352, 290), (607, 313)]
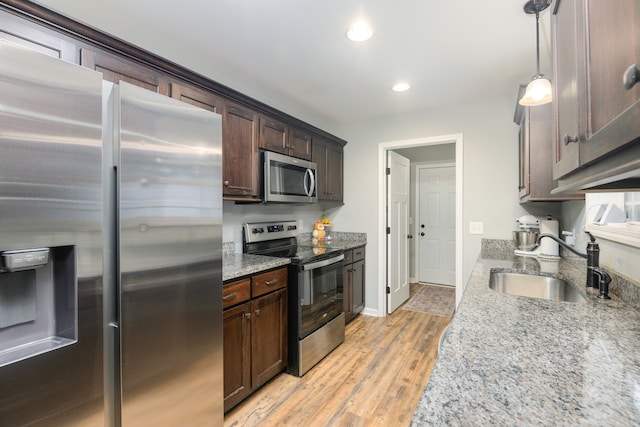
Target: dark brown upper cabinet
[(196, 96), (240, 161), (536, 154), (613, 51), (299, 144), (240, 153), (115, 69), (278, 137), (596, 117), (329, 158)]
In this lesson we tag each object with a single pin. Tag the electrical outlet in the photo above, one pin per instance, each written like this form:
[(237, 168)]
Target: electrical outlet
[(476, 228)]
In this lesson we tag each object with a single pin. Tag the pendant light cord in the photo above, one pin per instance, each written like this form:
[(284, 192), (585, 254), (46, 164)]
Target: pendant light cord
[(538, 42)]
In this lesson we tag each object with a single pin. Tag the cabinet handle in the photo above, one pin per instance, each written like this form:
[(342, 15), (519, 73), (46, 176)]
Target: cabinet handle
[(271, 282), (230, 297), (247, 316), (630, 77), (258, 312), (569, 139)]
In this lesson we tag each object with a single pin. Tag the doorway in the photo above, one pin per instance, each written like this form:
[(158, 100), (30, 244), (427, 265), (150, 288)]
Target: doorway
[(383, 260)]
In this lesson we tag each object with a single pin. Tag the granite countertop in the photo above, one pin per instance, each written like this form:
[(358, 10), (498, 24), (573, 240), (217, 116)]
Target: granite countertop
[(339, 239), (510, 360), (238, 265), (235, 265)]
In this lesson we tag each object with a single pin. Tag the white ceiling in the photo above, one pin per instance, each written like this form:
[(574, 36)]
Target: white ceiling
[(293, 54)]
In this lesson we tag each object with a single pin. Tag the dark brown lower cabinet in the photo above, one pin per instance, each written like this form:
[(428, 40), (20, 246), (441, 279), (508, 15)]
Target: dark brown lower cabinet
[(237, 354), (255, 333), (353, 282), (268, 337)]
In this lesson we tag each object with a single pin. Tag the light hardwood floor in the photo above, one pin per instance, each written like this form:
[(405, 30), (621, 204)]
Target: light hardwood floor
[(375, 378)]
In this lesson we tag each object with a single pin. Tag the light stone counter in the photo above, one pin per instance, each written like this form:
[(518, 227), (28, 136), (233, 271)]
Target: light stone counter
[(235, 265), (517, 361), (238, 265)]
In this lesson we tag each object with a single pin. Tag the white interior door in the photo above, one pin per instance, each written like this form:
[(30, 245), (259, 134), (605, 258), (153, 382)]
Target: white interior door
[(398, 227), (436, 228)]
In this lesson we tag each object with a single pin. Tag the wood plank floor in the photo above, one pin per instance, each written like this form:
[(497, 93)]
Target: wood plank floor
[(375, 378)]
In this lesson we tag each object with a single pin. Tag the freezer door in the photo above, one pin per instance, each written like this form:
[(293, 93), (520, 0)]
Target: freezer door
[(170, 216), (51, 350)]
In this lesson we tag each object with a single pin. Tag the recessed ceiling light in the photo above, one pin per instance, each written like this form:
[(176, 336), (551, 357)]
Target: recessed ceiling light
[(401, 87), (359, 32)]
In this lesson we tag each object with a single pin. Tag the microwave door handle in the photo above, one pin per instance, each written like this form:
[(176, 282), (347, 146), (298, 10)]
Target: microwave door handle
[(308, 177)]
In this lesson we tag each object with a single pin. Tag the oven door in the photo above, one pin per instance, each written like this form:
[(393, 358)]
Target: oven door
[(319, 301)]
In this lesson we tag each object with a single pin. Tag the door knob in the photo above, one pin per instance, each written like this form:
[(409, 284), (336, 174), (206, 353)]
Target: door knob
[(422, 234), (630, 77)]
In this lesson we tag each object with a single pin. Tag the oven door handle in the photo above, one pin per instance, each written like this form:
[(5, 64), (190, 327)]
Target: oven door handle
[(322, 263)]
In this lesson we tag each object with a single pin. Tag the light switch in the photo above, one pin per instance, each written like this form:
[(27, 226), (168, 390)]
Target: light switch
[(476, 228)]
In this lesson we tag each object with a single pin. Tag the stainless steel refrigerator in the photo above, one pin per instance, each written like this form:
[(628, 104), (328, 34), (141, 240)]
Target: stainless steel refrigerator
[(110, 251)]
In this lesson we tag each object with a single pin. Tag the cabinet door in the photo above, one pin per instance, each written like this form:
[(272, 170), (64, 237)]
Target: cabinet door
[(613, 30), (334, 172), (347, 291), (328, 157), (237, 354), (196, 96), (523, 154), (240, 154), (273, 135), (319, 156), (568, 84), (357, 295), (268, 336), (114, 69), (299, 144), (536, 176)]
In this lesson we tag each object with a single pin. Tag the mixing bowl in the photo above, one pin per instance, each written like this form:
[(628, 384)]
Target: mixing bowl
[(525, 240)]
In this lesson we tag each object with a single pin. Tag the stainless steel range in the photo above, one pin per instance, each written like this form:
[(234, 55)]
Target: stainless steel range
[(315, 305)]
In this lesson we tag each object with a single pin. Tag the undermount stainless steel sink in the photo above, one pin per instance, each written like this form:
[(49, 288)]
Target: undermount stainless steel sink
[(533, 286)]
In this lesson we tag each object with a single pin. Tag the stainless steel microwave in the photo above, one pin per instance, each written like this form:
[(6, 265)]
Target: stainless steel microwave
[(287, 179)]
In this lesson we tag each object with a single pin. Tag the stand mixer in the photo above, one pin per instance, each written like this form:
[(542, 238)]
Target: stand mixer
[(530, 228)]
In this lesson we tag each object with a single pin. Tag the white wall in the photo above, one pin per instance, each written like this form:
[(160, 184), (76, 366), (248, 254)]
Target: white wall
[(490, 175)]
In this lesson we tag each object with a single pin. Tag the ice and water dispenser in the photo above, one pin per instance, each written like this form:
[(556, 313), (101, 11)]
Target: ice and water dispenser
[(38, 301)]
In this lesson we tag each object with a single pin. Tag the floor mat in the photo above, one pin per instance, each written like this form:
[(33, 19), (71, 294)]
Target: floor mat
[(433, 299)]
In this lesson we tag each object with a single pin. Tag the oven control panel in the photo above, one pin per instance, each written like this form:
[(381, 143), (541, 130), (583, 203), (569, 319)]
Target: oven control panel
[(262, 231)]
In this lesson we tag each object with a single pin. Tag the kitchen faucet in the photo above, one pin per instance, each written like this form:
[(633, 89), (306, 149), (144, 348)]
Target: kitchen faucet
[(596, 277)]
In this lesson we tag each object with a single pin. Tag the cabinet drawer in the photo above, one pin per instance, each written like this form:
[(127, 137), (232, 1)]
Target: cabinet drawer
[(358, 254), (348, 256), (236, 292), (268, 282)]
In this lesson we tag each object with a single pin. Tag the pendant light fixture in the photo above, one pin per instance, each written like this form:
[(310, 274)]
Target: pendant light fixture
[(539, 89)]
